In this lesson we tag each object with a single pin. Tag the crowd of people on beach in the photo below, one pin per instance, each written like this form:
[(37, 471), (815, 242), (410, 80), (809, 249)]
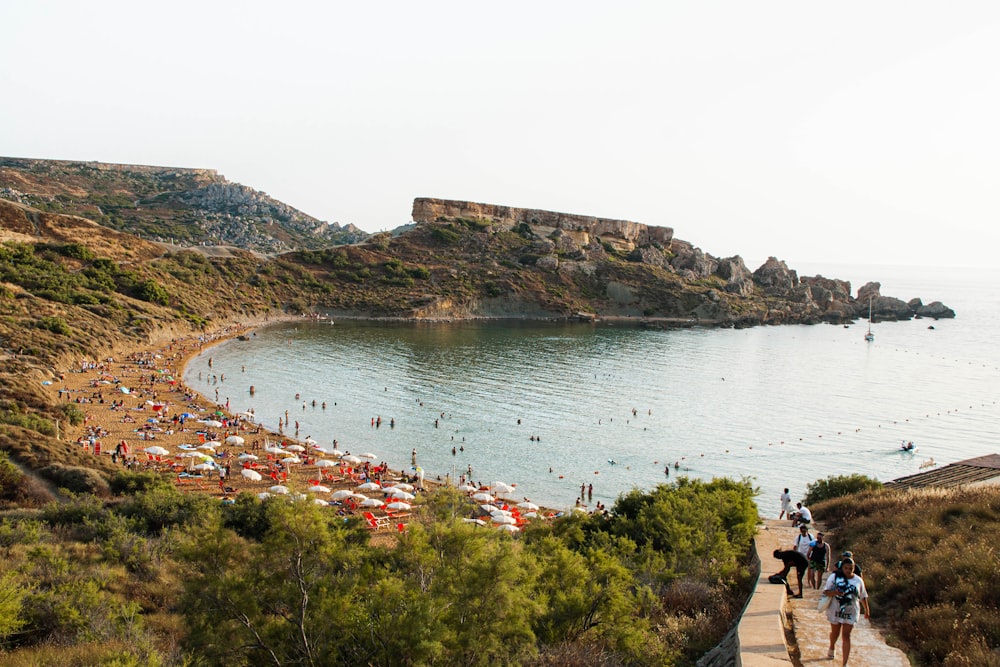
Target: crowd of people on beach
[(844, 596)]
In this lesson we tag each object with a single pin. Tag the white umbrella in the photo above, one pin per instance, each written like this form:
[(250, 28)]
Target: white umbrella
[(247, 457), (212, 422), (509, 528), (251, 474), (478, 522), (399, 494), (325, 463), (499, 512), (274, 450), (482, 497), (353, 460), (295, 448), (528, 506), (504, 519), (371, 502), (291, 459), (263, 495), (204, 466), (335, 452), (500, 487), (341, 494), (530, 515), (156, 450), (468, 488), (399, 506), (318, 501), (369, 486), (487, 508), (207, 446), (279, 489), (318, 488), (234, 440), (317, 448), (214, 443), (368, 455), (403, 485)]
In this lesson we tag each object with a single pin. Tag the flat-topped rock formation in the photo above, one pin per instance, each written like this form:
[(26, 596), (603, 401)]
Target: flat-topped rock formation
[(630, 235)]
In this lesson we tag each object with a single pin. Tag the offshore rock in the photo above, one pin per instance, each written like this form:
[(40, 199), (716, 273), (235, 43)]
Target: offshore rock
[(935, 309)]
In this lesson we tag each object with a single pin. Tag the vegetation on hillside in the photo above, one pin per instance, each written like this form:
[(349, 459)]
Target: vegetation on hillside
[(930, 561), (158, 577)]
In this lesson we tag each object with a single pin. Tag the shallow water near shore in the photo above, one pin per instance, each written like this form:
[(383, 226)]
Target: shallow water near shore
[(784, 406)]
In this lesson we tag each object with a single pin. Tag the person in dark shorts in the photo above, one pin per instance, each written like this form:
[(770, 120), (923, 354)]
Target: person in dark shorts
[(819, 557), (792, 558)]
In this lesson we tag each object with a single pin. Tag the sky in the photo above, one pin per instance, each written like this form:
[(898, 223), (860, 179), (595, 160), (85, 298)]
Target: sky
[(854, 132)]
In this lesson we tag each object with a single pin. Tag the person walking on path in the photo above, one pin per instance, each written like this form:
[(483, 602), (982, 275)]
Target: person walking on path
[(786, 505), (819, 559), (849, 598)]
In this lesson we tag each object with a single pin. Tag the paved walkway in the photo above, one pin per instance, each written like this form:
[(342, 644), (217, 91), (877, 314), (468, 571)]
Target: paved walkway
[(779, 631)]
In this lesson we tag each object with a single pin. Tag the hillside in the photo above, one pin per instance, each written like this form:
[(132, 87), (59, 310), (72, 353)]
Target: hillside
[(182, 206)]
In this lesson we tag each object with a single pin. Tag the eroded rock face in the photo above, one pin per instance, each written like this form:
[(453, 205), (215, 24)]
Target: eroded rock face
[(775, 278), (508, 217), (935, 309), (738, 278), (691, 261)]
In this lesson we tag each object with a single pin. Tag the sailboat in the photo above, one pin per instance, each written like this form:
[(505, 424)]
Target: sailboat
[(869, 336)]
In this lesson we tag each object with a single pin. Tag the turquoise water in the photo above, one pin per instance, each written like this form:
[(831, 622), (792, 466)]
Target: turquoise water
[(781, 405)]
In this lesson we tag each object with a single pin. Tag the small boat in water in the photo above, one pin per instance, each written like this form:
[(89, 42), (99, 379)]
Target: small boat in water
[(907, 446), (869, 336)]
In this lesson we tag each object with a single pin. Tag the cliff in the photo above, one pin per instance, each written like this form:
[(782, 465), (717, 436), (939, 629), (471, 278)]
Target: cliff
[(626, 235)]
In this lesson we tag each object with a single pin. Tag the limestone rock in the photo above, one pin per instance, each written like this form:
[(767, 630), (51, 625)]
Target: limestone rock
[(648, 255), (738, 278), (548, 263), (775, 278), (937, 310)]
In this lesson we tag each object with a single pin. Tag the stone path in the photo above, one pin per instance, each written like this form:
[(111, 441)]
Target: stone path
[(779, 631)]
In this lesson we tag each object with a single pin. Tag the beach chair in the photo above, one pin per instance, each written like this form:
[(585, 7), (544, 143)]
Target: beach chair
[(372, 521)]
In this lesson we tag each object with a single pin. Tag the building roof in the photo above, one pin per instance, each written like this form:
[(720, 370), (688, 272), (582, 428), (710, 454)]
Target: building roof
[(970, 471)]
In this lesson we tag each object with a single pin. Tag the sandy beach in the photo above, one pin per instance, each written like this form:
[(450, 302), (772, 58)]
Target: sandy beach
[(136, 400)]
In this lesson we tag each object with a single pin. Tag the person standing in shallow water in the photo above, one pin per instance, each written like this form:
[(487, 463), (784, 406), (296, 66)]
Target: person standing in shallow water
[(850, 597)]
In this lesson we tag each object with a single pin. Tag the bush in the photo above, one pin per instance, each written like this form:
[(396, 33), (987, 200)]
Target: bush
[(445, 235), (76, 512), (131, 483), (73, 414), (33, 422), (838, 486), (10, 478), (54, 324), (76, 478)]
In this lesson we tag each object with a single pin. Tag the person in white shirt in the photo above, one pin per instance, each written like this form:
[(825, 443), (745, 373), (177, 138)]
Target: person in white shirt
[(786, 505), (803, 540), (801, 515), (849, 597)]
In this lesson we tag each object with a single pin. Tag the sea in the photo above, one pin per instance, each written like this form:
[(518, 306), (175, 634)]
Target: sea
[(562, 409)]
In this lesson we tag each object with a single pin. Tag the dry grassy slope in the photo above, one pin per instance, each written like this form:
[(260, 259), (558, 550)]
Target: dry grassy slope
[(23, 223)]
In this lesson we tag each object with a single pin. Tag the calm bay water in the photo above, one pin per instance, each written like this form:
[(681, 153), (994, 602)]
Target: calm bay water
[(784, 406)]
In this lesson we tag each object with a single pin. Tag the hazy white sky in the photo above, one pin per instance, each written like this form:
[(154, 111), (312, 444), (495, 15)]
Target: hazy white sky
[(843, 132)]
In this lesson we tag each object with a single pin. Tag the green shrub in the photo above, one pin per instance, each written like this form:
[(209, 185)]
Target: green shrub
[(55, 324), (11, 478), (445, 235), (152, 291), (838, 486), (15, 416), (76, 478), (130, 483), (74, 512), (73, 414)]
